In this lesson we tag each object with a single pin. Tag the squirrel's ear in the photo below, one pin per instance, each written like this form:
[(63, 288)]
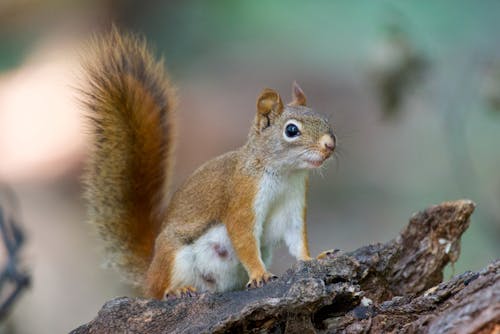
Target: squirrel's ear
[(269, 107), (299, 98)]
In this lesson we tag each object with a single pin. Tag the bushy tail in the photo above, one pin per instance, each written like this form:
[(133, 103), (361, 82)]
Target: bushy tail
[(130, 104)]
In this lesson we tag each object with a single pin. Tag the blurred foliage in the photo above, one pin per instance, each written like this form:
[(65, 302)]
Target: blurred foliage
[(491, 86), (397, 68), (12, 52)]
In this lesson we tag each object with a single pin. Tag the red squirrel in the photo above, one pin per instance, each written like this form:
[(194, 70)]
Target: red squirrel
[(219, 229)]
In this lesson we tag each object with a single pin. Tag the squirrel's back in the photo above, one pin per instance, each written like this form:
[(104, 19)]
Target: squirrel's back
[(129, 102)]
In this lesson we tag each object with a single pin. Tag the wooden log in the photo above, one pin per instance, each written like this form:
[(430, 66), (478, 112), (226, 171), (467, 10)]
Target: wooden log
[(377, 288)]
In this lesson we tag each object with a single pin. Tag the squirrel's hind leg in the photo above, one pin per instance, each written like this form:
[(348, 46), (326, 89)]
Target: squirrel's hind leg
[(160, 271), (208, 264)]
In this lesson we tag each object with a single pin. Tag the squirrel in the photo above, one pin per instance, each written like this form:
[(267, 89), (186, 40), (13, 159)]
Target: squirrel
[(218, 230)]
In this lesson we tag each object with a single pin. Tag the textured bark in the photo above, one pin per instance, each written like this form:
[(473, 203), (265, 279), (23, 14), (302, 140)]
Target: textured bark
[(377, 288)]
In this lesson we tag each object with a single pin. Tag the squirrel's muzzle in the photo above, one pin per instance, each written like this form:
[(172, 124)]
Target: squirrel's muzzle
[(327, 143)]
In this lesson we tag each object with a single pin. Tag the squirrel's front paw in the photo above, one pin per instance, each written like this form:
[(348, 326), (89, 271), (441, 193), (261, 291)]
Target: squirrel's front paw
[(328, 254), (260, 280), (186, 291)]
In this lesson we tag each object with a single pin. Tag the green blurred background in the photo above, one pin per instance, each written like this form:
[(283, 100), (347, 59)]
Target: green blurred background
[(412, 89)]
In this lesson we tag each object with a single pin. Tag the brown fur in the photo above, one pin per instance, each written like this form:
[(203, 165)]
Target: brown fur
[(299, 98), (306, 255), (130, 103), (269, 107), (220, 191), (240, 224), (159, 273), (198, 203)]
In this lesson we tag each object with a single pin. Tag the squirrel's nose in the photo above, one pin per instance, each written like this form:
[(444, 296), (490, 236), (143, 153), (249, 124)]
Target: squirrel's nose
[(327, 142)]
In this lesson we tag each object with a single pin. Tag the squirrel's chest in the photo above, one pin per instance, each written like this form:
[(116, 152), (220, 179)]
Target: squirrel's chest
[(279, 205)]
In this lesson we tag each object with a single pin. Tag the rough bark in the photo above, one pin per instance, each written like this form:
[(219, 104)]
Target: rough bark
[(377, 288)]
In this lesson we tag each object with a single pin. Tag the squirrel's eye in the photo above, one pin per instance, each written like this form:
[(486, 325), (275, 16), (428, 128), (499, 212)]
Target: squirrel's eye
[(292, 130)]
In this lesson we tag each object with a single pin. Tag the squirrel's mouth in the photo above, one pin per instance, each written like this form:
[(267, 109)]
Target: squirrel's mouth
[(315, 163), (315, 159)]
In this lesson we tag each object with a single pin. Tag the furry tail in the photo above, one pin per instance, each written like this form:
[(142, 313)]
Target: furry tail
[(130, 104)]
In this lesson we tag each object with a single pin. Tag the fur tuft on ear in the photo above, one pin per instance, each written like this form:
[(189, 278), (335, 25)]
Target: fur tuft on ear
[(269, 107), (299, 98)]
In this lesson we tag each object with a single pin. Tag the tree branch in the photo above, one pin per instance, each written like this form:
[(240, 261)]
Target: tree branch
[(376, 288)]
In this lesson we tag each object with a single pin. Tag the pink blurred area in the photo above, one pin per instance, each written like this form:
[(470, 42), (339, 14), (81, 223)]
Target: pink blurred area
[(41, 132)]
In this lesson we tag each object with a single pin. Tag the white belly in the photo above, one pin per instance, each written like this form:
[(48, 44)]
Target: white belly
[(210, 263)]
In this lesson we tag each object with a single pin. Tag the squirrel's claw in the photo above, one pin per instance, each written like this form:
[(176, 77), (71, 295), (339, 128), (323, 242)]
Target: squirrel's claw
[(328, 254), (260, 281), (187, 291)]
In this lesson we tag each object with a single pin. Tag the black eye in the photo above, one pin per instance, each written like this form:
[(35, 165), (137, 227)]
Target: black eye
[(292, 130)]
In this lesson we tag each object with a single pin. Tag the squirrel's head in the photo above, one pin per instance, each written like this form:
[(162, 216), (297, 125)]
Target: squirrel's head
[(291, 136)]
